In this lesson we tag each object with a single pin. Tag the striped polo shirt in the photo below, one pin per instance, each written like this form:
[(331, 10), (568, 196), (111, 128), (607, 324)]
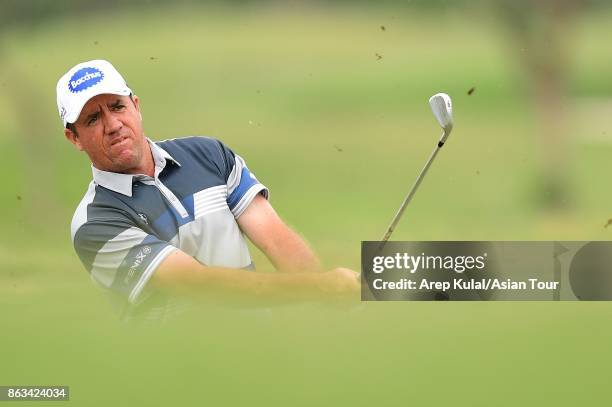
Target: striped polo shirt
[(126, 225)]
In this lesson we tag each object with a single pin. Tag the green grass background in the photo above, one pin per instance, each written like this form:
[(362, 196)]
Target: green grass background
[(338, 135)]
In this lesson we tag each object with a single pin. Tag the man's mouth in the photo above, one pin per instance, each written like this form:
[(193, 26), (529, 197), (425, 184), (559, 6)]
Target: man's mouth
[(118, 140)]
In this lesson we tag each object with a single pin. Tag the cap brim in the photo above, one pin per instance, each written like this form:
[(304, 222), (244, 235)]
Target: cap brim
[(75, 112)]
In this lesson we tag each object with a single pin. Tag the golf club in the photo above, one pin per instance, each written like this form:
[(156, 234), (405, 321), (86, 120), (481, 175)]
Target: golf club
[(443, 110)]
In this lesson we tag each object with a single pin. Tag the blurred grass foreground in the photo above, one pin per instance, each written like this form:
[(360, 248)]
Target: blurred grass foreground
[(327, 102)]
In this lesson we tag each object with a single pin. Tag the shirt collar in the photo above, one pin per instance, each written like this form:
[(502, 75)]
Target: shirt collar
[(160, 155), (122, 183)]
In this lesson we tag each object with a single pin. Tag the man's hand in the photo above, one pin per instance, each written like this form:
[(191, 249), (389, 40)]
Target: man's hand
[(342, 283)]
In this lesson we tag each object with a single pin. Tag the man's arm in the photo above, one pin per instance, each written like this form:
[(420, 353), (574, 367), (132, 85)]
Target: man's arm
[(284, 247), (181, 274)]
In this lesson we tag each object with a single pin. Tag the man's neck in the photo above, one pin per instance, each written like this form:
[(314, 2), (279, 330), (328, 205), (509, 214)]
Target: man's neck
[(148, 163)]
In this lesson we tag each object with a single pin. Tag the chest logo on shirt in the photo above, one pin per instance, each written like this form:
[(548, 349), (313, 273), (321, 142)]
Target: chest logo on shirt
[(144, 218)]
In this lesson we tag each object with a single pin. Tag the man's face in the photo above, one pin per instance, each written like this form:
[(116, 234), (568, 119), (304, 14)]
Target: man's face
[(109, 130)]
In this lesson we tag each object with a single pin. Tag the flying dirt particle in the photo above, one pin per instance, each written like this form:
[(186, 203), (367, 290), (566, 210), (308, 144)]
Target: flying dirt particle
[(96, 42), (609, 223), (472, 89), (258, 91), (19, 197), (378, 57), (153, 58), (477, 172), (382, 28), (338, 149)]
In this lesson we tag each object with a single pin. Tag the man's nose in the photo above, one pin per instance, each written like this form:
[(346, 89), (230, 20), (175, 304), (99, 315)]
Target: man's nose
[(111, 123)]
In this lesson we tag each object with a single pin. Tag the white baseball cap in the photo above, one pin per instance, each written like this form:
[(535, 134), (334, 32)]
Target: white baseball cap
[(84, 81)]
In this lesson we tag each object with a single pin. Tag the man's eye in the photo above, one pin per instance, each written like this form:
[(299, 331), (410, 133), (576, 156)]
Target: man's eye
[(118, 107), (91, 121)]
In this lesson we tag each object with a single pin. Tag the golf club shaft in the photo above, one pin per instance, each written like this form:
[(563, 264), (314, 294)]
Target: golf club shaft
[(408, 198)]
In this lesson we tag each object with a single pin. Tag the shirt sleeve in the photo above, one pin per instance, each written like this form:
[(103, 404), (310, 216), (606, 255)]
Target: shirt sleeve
[(242, 185), (120, 256)]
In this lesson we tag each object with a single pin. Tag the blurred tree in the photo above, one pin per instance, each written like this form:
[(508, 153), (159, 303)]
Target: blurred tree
[(540, 32)]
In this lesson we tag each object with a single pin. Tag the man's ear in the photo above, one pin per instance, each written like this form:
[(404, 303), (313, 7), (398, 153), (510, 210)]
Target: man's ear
[(72, 137), (137, 105)]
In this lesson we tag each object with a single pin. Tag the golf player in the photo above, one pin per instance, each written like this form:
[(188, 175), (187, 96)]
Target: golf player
[(170, 217)]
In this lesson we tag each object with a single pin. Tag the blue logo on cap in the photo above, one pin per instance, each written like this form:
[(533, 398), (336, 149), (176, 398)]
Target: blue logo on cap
[(84, 78)]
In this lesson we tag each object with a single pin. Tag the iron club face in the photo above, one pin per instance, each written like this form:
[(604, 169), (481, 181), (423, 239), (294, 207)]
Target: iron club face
[(442, 108)]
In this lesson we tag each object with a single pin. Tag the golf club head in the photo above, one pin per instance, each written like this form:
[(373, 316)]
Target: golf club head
[(442, 108)]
